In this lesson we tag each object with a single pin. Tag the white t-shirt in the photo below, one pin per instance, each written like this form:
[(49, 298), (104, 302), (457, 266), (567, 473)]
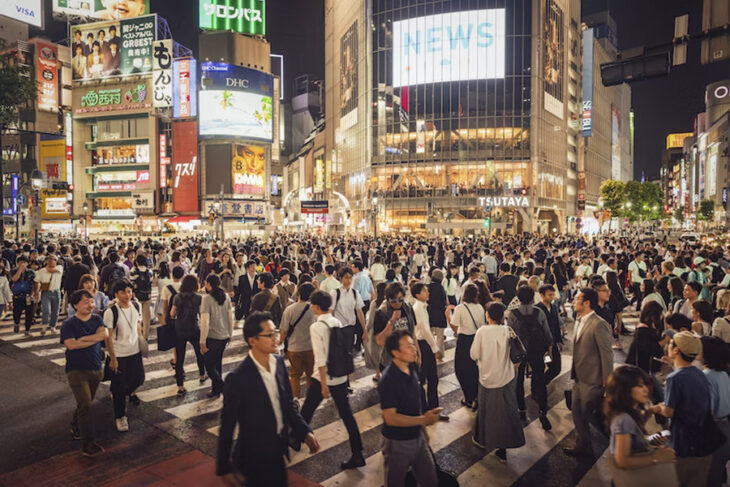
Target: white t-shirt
[(344, 309), (463, 320), (423, 325), (42, 275), (125, 336)]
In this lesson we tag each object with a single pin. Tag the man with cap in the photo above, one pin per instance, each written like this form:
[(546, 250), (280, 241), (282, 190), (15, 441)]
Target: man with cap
[(698, 274), (687, 403)]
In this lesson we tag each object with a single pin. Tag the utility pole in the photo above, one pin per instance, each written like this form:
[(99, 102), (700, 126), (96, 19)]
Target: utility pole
[(220, 198)]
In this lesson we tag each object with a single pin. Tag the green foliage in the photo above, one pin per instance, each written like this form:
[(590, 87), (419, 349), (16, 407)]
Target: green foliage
[(679, 214), (634, 200), (613, 196), (16, 87), (706, 210)]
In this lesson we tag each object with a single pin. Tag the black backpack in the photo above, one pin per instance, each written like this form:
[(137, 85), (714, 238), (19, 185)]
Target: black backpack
[(186, 321), (529, 332), (115, 275), (340, 360), (169, 319), (143, 285), (115, 317)]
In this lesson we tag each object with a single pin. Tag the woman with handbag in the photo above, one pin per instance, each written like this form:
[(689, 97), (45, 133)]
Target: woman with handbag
[(467, 318), (497, 424), (186, 311), (634, 461)]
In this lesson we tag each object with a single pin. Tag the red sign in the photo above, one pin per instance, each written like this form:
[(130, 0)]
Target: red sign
[(143, 177), (47, 75), (185, 197), (163, 145)]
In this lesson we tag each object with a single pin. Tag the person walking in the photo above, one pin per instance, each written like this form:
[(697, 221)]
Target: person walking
[(257, 398), (428, 371), (141, 278), (437, 304), (498, 424), (348, 305), (49, 280), (186, 312), (266, 299), (592, 364), (294, 334), (101, 301), (216, 329), (123, 319), (247, 287), (714, 361), (468, 317), (555, 324), (25, 293)]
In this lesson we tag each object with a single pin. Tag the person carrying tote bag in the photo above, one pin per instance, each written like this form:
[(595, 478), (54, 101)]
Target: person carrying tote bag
[(636, 461)]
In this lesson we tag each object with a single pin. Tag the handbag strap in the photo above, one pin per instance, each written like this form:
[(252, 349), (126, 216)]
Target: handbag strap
[(466, 305), (291, 328)]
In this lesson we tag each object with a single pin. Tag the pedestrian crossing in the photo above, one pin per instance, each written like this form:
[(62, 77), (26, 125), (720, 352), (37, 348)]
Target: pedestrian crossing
[(450, 441)]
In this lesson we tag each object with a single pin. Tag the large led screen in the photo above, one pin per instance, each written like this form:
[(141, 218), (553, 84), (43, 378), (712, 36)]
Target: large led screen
[(449, 47), (235, 102)]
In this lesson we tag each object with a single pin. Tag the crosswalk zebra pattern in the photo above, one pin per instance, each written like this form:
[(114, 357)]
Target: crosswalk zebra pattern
[(539, 462)]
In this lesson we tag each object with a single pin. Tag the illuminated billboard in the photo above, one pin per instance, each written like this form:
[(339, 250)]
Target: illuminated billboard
[(449, 47), (553, 58), (28, 11), (235, 102), (248, 169), (242, 16), (184, 88), (102, 9), (348, 78)]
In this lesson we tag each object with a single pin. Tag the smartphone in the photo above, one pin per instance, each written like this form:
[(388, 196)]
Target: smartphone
[(666, 433), (548, 359)]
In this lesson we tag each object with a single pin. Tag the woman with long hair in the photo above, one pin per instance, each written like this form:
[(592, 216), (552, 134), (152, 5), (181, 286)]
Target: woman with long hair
[(702, 317), (485, 297), (627, 393), (451, 284), (226, 270), (618, 301), (676, 291), (101, 300), (715, 361), (650, 294), (721, 325), (216, 330), (467, 318), (645, 345), (186, 311)]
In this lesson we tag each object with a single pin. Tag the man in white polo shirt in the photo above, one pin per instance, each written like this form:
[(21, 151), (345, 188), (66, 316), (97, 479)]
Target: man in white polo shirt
[(49, 278), (347, 306)]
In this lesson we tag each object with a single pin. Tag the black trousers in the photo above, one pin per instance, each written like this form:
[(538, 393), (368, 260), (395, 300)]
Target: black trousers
[(129, 376), (428, 374), (214, 362), (553, 369), (465, 368), (538, 384), (19, 305), (180, 346), (636, 288), (339, 396)]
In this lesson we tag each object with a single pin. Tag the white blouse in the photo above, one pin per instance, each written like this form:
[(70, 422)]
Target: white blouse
[(491, 352), (463, 320)]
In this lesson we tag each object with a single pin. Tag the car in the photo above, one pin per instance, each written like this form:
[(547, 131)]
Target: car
[(645, 237), (690, 237)]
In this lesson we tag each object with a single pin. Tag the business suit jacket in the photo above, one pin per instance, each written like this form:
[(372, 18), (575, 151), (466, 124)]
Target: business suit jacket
[(244, 292), (592, 352), (259, 448)]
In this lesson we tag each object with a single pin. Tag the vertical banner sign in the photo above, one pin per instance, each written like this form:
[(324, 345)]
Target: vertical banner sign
[(185, 167), (553, 58), (581, 192), (184, 88), (69, 151), (328, 174), (242, 16), (275, 149), (587, 112), (47, 76), (348, 78), (162, 73), (615, 143), (319, 174)]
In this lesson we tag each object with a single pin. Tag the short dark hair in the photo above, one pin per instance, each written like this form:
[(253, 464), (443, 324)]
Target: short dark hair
[(284, 272), (345, 271), (392, 343), (526, 295), (252, 325), (504, 267), (704, 309), (305, 290), (714, 353), (416, 288), (358, 263), (678, 321), (591, 297), (189, 284), (121, 286), (696, 286), (77, 296), (546, 287), (141, 260), (178, 272), (267, 279), (250, 263), (496, 311), (321, 299), (394, 289)]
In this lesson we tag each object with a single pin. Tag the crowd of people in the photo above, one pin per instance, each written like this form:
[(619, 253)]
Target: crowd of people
[(308, 306)]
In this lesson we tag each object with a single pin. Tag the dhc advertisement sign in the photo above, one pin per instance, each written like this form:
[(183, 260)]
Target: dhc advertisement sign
[(449, 47)]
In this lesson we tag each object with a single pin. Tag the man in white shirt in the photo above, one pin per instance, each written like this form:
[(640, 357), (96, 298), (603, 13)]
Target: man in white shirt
[(330, 283), (490, 266), (323, 385), (637, 273), (123, 319), (49, 279), (377, 270), (348, 306)]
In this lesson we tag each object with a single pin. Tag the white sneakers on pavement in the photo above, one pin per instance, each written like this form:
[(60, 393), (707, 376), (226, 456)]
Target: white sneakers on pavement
[(122, 424)]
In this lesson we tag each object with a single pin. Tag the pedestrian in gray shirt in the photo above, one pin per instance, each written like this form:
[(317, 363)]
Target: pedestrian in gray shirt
[(216, 329), (294, 334)]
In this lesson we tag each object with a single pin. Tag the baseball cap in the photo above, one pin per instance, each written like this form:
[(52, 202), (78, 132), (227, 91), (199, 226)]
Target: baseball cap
[(688, 343), (699, 260)]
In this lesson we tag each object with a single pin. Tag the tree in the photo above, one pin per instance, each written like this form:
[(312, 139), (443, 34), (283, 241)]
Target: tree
[(652, 205), (634, 200), (706, 210), (613, 194), (679, 214)]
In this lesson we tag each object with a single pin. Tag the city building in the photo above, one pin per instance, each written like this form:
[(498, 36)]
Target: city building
[(673, 172)]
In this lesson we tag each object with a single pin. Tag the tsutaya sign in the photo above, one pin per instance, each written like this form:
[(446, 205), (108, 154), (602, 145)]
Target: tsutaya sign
[(507, 201)]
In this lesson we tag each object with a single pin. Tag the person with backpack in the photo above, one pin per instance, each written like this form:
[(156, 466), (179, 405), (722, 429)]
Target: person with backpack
[(531, 326), (122, 318), (113, 272), (294, 334), (141, 278), (332, 344), (266, 299), (25, 291), (637, 273), (348, 306), (186, 311), (166, 296), (216, 330)]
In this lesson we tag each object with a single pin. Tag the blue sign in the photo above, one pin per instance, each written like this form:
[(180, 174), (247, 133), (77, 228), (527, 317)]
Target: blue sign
[(184, 88), (587, 109)]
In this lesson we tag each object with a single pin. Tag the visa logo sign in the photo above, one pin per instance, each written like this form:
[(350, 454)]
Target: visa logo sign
[(449, 47), (28, 11)]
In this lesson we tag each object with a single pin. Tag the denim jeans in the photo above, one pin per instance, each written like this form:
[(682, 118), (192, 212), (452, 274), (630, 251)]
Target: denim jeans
[(50, 302)]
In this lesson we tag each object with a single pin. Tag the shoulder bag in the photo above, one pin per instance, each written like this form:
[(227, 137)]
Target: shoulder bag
[(517, 352)]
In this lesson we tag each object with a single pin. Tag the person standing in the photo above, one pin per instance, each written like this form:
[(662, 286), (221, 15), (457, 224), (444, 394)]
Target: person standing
[(266, 299), (186, 312), (497, 425), (468, 317), (82, 335), (362, 284), (637, 273), (216, 329), (49, 280), (247, 286), (257, 398), (25, 293), (123, 320), (294, 334), (714, 360), (555, 324), (437, 305), (592, 364), (348, 307), (323, 384), (141, 278), (428, 371), (73, 275), (405, 445)]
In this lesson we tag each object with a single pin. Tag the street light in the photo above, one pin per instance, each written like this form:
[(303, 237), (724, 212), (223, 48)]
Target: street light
[(86, 220), (36, 180)]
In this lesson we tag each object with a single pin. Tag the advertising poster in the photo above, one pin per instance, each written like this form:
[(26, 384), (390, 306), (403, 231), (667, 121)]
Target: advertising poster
[(102, 9), (28, 11), (446, 47), (52, 165), (319, 175), (615, 143), (185, 167), (47, 76), (242, 16), (24, 59), (553, 58), (184, 88), (587, 111), (114, 48), (162, 73), (328, 174), (712, 170), (348, 78), (248, 170), (236, 102)]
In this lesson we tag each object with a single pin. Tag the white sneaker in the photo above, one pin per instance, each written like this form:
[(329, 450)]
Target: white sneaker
[(122, 424)]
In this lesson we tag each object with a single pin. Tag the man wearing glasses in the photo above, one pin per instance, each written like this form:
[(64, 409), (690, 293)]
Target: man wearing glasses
[(396, 315), (257, 397)]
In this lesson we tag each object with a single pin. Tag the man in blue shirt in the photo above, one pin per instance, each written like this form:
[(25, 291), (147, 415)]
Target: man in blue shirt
[(362, 284), (687, 403), (82, 335)]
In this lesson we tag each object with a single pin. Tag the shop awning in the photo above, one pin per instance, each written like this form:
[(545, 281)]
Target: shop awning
[(183, 219)]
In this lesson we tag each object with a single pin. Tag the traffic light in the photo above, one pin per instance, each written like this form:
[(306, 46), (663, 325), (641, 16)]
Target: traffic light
[(487, 222), (523, 191)]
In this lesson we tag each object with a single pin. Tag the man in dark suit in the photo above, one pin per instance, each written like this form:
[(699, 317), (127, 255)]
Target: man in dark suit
[(73, 275), (257, 396), (247, 286)]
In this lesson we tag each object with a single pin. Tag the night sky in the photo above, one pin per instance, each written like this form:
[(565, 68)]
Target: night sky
[(295, 29)]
